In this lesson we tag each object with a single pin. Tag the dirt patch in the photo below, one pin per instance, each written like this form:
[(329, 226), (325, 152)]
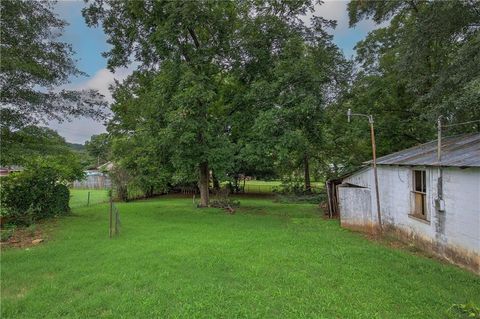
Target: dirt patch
[(252, 210), (397, 238), (33, 235), (253, 195), (393, 242), (453, 254)]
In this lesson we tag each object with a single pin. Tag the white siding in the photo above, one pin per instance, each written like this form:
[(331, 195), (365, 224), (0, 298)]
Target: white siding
[(457, 227), (355, 205), (461, 189)]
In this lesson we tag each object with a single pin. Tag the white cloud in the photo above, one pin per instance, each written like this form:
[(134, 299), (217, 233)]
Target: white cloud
[(333, 10), (79, 130), (337, 10), (102, 80), (344, 36)]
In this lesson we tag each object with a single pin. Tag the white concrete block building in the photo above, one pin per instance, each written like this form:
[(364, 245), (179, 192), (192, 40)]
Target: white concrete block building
[(434, 204)]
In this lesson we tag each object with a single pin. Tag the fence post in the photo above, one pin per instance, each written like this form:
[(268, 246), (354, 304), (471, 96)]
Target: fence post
[(88, 199), (111, 208), (116, 222)]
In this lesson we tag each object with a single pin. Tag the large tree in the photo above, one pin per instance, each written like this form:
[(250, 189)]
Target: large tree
[(423, 64), (305, 80), (194, 53), (98, 147)]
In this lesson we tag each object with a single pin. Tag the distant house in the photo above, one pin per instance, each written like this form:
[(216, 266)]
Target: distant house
[(107, 167), (94, 179), (7, 170), (435, 204)]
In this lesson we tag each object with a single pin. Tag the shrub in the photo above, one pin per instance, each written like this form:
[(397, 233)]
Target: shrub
[(62, 199), (6, 233), (313, 198), (33, 194), (468, 310), (120, 180)]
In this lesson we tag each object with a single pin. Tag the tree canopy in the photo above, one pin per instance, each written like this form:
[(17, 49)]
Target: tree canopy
[(422, 63), (35, 64), (195, 95), (99, 148), (30, 141), (250, 88)]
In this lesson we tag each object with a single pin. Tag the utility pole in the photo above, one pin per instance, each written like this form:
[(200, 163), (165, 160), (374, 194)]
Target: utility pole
[(374, 157), (439, 163), (439, 139)]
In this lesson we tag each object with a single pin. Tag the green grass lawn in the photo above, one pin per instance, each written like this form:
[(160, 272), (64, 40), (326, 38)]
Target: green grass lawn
[(272, 260), (256, 186), (79, 197)]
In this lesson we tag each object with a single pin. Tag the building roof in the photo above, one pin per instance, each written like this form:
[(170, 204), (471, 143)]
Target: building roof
[(108, 166), (457, 151), (6, 170)]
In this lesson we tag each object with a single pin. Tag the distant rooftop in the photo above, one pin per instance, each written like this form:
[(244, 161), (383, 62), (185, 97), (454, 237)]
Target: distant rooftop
[(457, 151)]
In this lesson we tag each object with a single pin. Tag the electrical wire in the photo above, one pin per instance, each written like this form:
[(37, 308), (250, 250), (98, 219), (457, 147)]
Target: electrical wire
[(456, 124)]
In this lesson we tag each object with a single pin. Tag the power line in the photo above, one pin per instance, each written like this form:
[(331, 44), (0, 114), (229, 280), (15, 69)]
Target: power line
[(456, 124)]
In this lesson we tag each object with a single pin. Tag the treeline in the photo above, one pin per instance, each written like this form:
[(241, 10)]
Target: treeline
[(250, 88), (222, 88), (242, 88)]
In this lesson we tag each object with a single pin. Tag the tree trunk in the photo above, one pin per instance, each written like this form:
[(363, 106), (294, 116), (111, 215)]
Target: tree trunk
[(151, 191), (308, 186), (216, 182), (236, 187), (203, 184)]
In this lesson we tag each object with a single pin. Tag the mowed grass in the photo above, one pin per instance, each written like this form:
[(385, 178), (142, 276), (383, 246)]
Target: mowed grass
[(256, 186), (79, 197), (269, 260)]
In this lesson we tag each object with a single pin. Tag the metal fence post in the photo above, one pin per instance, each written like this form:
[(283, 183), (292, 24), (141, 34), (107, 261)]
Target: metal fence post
[(111, 212), (116, 222)]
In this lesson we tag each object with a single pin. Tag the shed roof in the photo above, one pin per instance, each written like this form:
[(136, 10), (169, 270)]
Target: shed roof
[(457, 151)]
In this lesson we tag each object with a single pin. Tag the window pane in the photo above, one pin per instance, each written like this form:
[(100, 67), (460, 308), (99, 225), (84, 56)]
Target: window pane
[(420, 199), (424, 182), (418, 180)]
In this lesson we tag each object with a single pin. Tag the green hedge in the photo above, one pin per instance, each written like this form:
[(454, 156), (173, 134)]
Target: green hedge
[(32, 195)]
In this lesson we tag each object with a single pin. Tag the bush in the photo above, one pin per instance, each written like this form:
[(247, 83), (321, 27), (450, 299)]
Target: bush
[(468, 310), (290, 185), (32, 194), (120, 180), (313, 198), (6, 233), (62, 199)]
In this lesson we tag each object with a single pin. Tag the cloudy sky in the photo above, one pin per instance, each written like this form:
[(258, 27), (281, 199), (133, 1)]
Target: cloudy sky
[(89, 43)]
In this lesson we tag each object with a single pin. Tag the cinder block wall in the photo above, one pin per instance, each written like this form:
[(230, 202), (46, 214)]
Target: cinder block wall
[(453, 234)]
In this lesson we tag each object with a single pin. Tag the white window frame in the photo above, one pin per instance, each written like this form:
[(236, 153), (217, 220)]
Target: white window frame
[(422, 194)]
